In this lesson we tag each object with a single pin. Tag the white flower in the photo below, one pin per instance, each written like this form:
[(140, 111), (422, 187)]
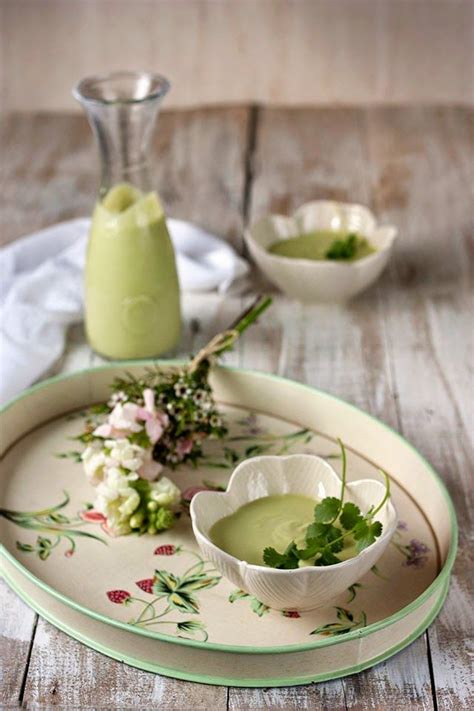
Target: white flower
[(119, 396), (125, 454), (117, 501), (165, 492), (94, 461), (124, 417)]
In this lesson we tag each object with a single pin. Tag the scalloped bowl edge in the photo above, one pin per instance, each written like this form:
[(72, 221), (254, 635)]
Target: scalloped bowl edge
[(303, 588)]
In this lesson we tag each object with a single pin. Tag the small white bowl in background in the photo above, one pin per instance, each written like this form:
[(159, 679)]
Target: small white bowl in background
[(303, 588), (326, 280)]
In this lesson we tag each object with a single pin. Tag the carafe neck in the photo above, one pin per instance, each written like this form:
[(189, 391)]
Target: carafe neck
[(122, 109)]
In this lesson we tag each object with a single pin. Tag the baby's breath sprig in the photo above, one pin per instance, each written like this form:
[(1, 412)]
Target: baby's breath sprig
[(185, 396)]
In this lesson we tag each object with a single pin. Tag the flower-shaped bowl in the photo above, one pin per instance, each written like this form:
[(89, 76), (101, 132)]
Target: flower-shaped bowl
[(324, 280), (303, 588)]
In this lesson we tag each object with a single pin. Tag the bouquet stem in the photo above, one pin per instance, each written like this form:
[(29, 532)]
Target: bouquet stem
[(225, 340)]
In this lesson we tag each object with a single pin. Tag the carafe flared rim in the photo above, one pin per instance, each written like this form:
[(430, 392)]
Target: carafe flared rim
[(121, 88)]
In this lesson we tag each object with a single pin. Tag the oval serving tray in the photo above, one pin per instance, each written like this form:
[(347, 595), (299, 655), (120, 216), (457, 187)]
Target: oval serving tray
[(199, 627)]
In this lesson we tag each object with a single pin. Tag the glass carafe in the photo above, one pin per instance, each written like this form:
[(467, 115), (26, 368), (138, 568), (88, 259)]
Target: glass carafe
[(132, 306)]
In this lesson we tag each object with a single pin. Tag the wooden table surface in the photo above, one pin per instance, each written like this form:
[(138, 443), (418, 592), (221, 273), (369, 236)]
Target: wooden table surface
[(402, 351)]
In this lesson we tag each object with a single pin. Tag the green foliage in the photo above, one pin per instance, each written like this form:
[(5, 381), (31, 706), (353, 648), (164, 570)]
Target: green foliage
[(74, 455), (352, 590), (350, 516), (343, 248), (256, 606), (334, 522), (345, 623), (164, 519), (287, 560), (327, 510), (366, 532)]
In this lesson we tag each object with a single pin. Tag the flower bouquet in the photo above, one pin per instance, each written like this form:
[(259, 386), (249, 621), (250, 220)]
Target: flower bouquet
[(159, 420)]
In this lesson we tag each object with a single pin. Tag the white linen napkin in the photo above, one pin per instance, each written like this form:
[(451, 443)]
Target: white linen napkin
[(41, 291)]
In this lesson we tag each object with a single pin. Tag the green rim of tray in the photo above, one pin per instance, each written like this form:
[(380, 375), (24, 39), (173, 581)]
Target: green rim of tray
[(438, 582), (221, 681)]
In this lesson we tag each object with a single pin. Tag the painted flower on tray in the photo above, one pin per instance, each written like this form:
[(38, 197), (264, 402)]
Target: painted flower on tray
[(53, 526), (191, 491), (251, 425), (190, 627), (119, 597), (166, 550), (416, 553), (92, 516), (146, 585), (256, 606), (170, 593), (346, 622), (179, 591), (293, 614)]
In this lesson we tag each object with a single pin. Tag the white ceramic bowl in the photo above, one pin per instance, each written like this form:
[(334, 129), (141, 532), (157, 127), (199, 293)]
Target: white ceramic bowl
[(303, 588), (321, 280)]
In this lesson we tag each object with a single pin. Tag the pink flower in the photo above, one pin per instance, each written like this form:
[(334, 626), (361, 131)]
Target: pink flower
[(150, 469), (166, 550), (146, 585), (121, 421), (119, 597), (184, 446), (107, 530), (155, 420), (192, 491), (92, 516), (104, 430)]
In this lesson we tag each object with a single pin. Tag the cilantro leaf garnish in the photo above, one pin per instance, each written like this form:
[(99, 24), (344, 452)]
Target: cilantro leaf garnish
[(327, 510), (350, 515), (365, 533), (334, 523), (285, 561), (327, 558), (343, 248)]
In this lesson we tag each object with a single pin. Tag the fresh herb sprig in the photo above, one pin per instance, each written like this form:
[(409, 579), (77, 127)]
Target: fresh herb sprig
[(334, 521), (343, 248)]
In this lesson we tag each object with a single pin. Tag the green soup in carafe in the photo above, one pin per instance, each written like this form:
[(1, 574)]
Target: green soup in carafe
[(131, 286)]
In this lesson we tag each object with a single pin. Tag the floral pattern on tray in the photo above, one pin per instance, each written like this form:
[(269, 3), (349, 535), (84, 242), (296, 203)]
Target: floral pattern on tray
[(55, 526), (171, 594), (161, 583)]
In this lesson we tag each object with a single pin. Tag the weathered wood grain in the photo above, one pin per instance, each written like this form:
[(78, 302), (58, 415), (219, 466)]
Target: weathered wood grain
[(17, 629), (194, 186), (50, 169), (66, 674), (268, 51), (429, 331), (308, 155), (402, 351)]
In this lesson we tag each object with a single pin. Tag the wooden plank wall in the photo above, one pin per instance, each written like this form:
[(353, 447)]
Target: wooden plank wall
[(273, 52)]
